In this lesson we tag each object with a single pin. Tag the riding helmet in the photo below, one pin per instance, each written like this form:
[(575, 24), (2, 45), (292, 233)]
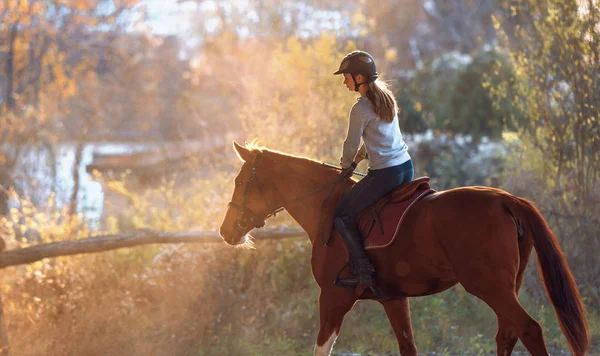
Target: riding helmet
[(359, 62)]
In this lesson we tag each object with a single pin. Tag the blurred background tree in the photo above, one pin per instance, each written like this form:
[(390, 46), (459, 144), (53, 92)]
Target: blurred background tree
[(557, 57), (554, 50), (48, 51)]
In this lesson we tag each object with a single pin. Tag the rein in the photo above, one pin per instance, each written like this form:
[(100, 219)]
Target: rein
[(339, 169), (257, 220)]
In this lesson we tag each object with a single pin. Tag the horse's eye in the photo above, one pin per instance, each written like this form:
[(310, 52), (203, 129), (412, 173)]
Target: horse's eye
[(238, 183)]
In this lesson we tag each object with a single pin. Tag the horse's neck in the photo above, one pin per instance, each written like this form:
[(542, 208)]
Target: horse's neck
[(309, 214), (308, 211)]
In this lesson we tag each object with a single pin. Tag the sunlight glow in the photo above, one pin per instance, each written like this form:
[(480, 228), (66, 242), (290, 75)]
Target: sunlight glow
[(248, 243)]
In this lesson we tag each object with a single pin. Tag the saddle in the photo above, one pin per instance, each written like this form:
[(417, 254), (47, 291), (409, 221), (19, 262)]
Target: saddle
[(379, 224)]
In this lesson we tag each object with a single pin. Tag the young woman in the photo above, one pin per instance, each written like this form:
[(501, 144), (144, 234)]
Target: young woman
[(372, 125)]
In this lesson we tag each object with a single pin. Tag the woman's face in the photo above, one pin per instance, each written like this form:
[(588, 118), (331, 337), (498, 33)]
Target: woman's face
[(349, 83)]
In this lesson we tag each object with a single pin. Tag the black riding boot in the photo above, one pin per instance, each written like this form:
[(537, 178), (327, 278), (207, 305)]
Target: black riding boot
[(362, 269)]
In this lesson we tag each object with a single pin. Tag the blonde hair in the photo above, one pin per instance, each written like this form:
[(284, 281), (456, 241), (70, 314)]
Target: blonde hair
[(383, 100)]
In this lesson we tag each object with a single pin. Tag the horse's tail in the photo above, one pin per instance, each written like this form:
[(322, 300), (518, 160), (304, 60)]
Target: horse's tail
[(557, 278)]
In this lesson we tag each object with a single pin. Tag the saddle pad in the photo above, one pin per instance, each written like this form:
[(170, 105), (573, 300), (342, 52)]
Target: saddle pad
[(379, 223)]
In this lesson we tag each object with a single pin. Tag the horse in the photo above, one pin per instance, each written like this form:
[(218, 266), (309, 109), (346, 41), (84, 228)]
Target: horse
[(479, 237)]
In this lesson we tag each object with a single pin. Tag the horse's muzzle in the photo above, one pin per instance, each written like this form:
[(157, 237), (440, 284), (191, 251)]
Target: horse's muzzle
[(232, 237)]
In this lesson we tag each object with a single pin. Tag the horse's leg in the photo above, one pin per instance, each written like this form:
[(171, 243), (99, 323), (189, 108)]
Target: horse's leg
[(398, 312), (497, 288), (333, 306), (505, 338), (511, 315)]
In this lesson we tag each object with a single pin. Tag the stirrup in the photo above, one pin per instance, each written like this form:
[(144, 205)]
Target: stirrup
[(345, 284), (355, 279), (379, 295), (342, 283)]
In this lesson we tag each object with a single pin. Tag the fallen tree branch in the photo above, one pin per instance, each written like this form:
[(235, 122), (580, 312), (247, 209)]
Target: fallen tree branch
[(136, 238)]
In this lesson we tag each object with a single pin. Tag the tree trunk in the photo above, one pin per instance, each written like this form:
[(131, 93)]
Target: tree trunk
[(130, 239), (10, 84), (76, 165), (6, 182), (9, 99), (4, 344)]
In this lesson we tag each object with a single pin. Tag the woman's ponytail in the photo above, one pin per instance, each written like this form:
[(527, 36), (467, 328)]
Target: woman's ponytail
[(383, 100)]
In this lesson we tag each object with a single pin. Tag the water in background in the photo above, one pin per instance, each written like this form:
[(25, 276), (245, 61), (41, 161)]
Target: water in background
[(37, 175)]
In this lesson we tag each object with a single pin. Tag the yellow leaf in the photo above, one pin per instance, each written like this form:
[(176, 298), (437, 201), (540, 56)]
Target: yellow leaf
[(510, 136), (418, 107), (70, 89), (358, 18), (23, 6), (125, 3), (391, 54)]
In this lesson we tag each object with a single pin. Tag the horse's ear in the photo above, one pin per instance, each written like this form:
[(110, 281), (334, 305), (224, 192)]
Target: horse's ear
[(242, 152)]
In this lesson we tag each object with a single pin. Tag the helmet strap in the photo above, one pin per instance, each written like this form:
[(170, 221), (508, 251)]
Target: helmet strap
[(356, 85)]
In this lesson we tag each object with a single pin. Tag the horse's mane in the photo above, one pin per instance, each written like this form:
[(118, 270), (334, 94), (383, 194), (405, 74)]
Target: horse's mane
[(301, 162)]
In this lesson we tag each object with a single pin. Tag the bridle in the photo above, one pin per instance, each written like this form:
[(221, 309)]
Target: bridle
[(246, 215), (249, 218)]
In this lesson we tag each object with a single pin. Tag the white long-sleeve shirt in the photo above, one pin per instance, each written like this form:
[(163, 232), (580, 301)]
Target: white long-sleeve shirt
[(383, 140)]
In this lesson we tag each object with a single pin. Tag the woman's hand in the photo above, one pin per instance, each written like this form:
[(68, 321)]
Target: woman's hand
[(347, 172)]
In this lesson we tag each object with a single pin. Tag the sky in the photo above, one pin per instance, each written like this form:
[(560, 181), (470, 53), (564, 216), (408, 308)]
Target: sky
[(168, 17)]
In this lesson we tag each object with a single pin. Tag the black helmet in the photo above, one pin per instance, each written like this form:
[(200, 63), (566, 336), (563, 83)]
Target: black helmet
[(359, 62)]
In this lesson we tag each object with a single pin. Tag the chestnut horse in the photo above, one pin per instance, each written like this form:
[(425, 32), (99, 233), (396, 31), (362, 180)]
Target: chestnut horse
[(477, 236)]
